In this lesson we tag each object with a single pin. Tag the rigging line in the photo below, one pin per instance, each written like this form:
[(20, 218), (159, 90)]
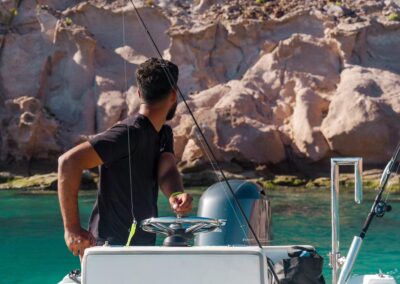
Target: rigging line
[(203, 146), (270, 267), (224, 185), (124, 43), (198, 127), (390, 190), (389, 169), (130, 173), (127, 125)]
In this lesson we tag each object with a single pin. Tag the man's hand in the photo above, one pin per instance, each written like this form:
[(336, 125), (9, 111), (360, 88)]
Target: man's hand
[(70, 167), (171, 184), (78, 240), (181, 203)]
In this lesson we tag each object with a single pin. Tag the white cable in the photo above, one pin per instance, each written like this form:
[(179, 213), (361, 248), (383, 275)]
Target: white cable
[(127, 125), (204, 148)]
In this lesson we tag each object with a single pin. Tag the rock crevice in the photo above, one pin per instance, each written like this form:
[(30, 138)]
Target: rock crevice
[(268, 82)]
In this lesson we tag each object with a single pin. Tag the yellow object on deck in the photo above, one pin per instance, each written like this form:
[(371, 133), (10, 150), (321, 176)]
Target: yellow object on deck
[(132, 232)]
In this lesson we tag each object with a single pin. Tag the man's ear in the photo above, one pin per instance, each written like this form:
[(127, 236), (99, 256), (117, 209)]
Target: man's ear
[(138, 94)]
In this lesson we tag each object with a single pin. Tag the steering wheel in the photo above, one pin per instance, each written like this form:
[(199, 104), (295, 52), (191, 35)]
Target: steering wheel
[(180, 231)]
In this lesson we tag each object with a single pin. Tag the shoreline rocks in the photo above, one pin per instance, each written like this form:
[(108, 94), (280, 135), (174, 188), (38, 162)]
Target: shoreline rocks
[(42, 182), (48, 182), (270, 83)]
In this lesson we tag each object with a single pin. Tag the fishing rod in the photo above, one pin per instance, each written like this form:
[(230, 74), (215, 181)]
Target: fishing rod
[(214, 159), (378, 209)]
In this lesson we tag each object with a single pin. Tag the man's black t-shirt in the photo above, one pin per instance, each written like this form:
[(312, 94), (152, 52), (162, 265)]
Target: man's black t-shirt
[(111, 217)]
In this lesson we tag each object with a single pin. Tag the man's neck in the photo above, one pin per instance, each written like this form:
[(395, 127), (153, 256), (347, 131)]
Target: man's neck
[(154, 114)]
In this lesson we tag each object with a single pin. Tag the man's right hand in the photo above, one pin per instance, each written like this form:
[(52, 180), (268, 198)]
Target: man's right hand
[(70, 167), (181, 203), (78, 240)]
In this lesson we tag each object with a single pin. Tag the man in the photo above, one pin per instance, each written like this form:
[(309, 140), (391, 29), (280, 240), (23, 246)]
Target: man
[(128, 188)]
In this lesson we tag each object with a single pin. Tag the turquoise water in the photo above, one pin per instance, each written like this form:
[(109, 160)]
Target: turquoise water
[(32, 248)]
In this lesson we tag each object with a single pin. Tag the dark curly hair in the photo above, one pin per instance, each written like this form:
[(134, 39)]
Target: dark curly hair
[(152, 79)]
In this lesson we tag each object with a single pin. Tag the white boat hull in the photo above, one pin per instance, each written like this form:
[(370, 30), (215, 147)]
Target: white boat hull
[(372, 279), (179, 265)]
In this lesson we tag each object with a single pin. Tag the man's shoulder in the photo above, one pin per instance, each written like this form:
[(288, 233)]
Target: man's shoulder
[(118, 129), (167, 127), (134, 121), (166, 131), (134, 124)]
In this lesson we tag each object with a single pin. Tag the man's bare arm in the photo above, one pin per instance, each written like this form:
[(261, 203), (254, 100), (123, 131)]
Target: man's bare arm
[(70, 167), (170, 181), (169, 178)]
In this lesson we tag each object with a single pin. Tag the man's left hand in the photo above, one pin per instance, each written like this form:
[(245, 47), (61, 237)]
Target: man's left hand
[(181, 203)]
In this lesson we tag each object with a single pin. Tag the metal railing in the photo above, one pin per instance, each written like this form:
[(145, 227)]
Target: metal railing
[(335, 259)]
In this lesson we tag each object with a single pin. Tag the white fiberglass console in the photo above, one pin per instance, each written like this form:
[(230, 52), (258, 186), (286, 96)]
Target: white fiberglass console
[(178, 265)]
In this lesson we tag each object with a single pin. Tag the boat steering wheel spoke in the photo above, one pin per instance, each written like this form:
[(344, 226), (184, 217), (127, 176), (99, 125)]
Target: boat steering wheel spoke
[(180, 231)]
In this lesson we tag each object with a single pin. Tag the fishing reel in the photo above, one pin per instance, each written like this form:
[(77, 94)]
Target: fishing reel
[(181, 230), (381, 208)]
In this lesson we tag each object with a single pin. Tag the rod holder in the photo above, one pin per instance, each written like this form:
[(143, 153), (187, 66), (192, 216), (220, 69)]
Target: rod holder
[(335, 260), (350, 260)]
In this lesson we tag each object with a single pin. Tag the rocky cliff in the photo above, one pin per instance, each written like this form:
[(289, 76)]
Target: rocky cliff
[(269, 81)]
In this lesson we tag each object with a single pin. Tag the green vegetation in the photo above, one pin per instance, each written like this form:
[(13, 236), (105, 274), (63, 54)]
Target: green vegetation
[(48, 182), (370, 183), (7, 17), (395, 16), (289, 181), (14, 12), (321, 182), (150, 2), (280, 181), (260, 1), (43, 182), (68, 21)]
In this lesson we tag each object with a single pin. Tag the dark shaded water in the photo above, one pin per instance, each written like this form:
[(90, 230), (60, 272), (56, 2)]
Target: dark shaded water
[(32, 248)]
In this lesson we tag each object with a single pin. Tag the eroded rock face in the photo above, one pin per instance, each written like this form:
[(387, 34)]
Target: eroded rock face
[(266, 82), (363, 117), (111, 108), (27, 131)]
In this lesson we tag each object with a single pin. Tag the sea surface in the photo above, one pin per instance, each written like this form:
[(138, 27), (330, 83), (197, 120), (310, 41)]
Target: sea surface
[(32, 248)]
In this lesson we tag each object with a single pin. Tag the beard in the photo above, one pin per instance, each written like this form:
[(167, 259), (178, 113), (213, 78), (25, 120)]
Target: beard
[(171, 112)]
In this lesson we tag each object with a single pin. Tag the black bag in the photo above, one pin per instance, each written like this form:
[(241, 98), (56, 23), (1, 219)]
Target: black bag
[(303, 267)]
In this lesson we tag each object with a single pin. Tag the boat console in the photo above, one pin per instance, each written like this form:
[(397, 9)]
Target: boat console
[(176, 262), (178, 265)]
